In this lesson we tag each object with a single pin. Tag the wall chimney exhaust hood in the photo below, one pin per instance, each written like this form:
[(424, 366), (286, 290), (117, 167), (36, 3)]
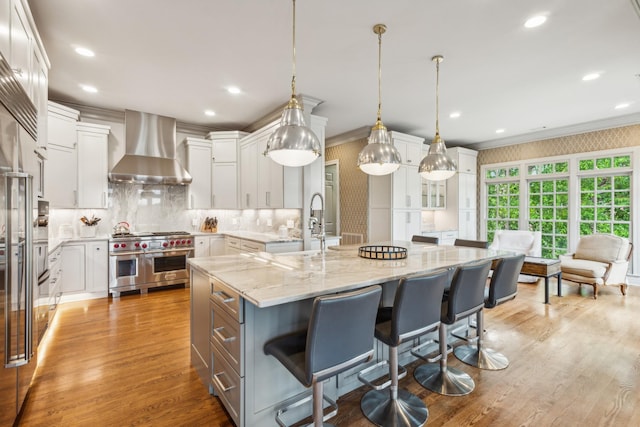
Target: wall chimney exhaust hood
[(150, 152)]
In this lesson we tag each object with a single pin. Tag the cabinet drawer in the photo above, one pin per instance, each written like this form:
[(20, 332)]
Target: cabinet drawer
[(227, 335), (233, 242), (249, 246), (227, 299), (227, 384), (449, 235)]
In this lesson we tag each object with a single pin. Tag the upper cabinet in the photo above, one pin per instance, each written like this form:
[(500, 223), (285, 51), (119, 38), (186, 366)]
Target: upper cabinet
[(76, 168), (264, 184), (22, 48), (462, 192), (434, 193), (62, 157), (213, 165), (93, 167)]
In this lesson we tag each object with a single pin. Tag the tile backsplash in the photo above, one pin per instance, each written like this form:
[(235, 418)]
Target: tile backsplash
[(164, 208)]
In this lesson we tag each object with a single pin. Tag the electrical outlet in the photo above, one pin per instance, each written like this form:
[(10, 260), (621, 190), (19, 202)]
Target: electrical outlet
[(269, 222), (258, 221), (194, 222), (289, 223), (234, 221)]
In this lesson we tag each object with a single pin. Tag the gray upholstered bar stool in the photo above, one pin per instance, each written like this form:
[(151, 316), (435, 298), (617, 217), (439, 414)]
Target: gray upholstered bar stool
[(415, 311), (471, 243), (416, 238), (339, 336), (503, 288), (464, 298)]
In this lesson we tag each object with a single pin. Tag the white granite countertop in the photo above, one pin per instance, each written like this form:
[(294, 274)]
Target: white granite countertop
[(259, 237), (266, 279)]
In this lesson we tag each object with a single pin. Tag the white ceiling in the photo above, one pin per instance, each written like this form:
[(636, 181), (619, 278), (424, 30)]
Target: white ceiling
[(176, 58)]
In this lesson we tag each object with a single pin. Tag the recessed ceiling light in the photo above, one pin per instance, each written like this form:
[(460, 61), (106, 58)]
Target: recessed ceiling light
[(90, 89), (209, 113), (621, 106), (591, 76), (499, 130), (535, 21), (454, 115), (84, 51), (233, 90)]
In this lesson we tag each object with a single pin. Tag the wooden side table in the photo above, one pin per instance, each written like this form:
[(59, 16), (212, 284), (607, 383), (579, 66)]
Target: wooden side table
[(543, 267)]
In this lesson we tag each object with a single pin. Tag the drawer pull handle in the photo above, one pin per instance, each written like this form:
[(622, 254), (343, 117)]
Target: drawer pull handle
[(218, 332), (223, 297), (221, 386)]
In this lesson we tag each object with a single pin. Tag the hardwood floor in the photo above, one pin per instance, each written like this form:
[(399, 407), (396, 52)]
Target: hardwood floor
[(124, 362)]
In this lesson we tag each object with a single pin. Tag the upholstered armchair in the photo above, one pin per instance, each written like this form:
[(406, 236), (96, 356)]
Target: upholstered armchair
[(599, 259), (521, 242)]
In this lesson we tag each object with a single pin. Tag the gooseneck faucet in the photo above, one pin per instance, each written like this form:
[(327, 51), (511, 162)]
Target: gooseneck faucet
[(317, 225)]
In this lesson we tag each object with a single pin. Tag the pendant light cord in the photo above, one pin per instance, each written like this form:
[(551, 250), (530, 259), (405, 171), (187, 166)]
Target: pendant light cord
[(438, 60), (380, 75), (293, 78)]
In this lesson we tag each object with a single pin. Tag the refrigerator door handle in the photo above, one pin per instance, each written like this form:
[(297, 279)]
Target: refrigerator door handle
[(25, 276)]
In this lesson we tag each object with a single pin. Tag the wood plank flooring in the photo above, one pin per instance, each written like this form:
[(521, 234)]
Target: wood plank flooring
[(125, 362)]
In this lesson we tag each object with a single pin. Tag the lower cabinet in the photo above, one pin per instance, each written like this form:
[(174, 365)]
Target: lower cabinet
[(446, 237), (209, 245), (235, 245), (85, 270)]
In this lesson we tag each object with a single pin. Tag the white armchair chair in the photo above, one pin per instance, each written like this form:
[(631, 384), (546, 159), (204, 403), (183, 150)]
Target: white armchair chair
[(599, 259), (521, 242)]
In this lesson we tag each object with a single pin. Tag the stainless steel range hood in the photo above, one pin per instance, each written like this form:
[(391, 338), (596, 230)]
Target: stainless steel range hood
[(150, 152)]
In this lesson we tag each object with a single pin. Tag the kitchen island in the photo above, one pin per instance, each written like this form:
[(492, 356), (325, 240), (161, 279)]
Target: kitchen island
[(238, 302)]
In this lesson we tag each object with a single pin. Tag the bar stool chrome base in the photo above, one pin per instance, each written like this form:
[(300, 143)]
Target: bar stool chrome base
[(407, 410), (447, 381), (486, 358)]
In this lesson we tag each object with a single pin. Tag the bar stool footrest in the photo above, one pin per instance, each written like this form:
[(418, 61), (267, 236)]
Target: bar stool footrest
[(402, 372), (296, 402), (435, 357)]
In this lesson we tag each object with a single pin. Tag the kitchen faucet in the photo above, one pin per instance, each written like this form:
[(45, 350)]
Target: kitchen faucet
[(314, 222)]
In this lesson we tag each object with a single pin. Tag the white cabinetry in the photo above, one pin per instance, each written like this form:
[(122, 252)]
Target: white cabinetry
[(93, 168), (461, 212), (213, 164), (395, 200), (209, 246), (61, 167), (20, 40), (224, 169), (199, 155), (84, 270), (263, 182), (434, 193)]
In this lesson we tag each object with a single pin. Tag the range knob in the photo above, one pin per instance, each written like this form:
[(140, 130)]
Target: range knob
[(124, 245), (172, 243), (116, 245), (183, 242), (165, 244), (188, 242), (137, 245), (144, 246)]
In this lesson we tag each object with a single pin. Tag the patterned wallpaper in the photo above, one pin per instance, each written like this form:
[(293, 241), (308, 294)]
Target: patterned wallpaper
[(354, 187), (626, 136)]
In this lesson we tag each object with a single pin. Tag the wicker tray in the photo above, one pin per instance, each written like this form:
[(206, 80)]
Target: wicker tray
[(382, 252)]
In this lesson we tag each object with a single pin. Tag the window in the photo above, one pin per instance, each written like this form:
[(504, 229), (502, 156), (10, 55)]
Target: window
[(549, 214), (503, 200)]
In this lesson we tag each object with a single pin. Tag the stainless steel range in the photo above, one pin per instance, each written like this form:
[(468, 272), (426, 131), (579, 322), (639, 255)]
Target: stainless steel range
[(148, 260)]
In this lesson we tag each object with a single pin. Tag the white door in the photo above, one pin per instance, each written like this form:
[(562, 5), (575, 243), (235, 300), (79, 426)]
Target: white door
[(331, 195)]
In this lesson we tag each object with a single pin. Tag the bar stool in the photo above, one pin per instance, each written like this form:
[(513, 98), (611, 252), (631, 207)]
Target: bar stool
[(339, 336), (415, 311), (465, 297), (503, 288), (471, 243)]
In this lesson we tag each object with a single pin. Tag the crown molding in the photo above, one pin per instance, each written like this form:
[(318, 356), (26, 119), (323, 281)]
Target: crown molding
[(609, 123), (308, 104), (350, 136)]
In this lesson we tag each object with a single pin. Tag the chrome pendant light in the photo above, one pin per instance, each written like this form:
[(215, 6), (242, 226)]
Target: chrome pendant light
[(437, 165), (293, 143), (379, 156)]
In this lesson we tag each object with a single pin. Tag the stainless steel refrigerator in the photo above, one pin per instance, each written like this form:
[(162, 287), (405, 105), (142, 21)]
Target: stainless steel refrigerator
[(18, 131)]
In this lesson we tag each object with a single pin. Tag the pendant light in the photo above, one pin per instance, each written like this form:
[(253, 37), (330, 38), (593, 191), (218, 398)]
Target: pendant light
[(379, 156), (293, 143), (437, 165)]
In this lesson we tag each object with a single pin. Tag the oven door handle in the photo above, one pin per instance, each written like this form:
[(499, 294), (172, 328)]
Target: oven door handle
[(117, 254), (167, 251)]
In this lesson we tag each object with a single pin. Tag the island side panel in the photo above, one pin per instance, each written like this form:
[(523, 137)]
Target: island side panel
[(200, 326), (268, 384)]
